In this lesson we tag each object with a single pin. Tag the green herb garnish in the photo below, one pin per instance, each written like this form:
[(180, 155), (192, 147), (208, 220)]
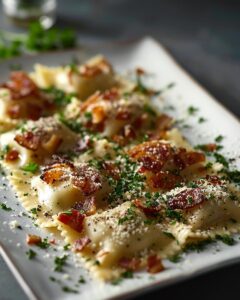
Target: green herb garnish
[(5, 207), (226, 239), (60, 263), (31, 167), (31, 254)]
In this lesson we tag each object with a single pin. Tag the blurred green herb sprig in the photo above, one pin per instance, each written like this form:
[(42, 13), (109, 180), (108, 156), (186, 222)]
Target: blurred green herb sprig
[(37, 39)]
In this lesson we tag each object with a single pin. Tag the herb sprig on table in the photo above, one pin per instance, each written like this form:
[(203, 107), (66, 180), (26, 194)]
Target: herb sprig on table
[(37, 39)]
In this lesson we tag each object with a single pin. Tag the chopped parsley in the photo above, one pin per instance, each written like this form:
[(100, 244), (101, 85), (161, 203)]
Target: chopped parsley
[(173, 214), (60, 98), (59, 263), (148, 109), (169, 235), (66, 247), (44, 244), (81, 279), (226, 239), (201, 120), (67, 289), (175, 258), (129, 215), (31, 167), (5, 207), (219, 139), (88, 115), (31, 254), (130, 180), (125, 275), (192, 110), (221, 159), (198, 247)]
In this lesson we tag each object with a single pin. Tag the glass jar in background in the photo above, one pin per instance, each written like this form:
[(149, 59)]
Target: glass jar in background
[(23, 12)]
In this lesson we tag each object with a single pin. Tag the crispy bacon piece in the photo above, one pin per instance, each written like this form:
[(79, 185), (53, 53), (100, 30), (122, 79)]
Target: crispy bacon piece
[(111, 169), (98, 115), (89, 71), (12, 155), (87, 179), (123, 114), (28, 140), (111, 94), (185, 159), (88, 205), (214, 180), (152, 155), (32, 239), (151, 210), (91, 100), (73, 219), (154, 264), (14, 111), (164, 180), (187, 199), (140, 71), (21, 85), (80, 244), (210, 147), (83, 177), (131, 264), (129, 132)]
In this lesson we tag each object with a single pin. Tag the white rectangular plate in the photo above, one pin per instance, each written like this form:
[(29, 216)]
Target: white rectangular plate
[(33, 275)]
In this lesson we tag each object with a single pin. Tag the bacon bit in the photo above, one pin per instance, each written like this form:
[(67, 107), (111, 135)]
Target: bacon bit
[(73, 219), (164, 180), (12, 155), (111, 169), (14, 111), (94, 98), (185, 159), (87, 179), (52, 144), (210, 147), (28, 140), (119, 139), (56, 171), (140, 71), (98, 115), (213, 179), (52, 241), (129, 132), (152, 154), (89, 71), (52, 176), (33, 239), (187, 199), (80, 244), (88, 206), (154, 264), (123, 114), (21, 85), (111, 94), (152, 210), (131, 264)]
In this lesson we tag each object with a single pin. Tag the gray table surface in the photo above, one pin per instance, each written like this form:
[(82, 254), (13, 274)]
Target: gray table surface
[(204, 36)]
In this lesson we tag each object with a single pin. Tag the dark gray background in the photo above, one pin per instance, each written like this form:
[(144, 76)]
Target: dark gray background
[(204, 36)]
